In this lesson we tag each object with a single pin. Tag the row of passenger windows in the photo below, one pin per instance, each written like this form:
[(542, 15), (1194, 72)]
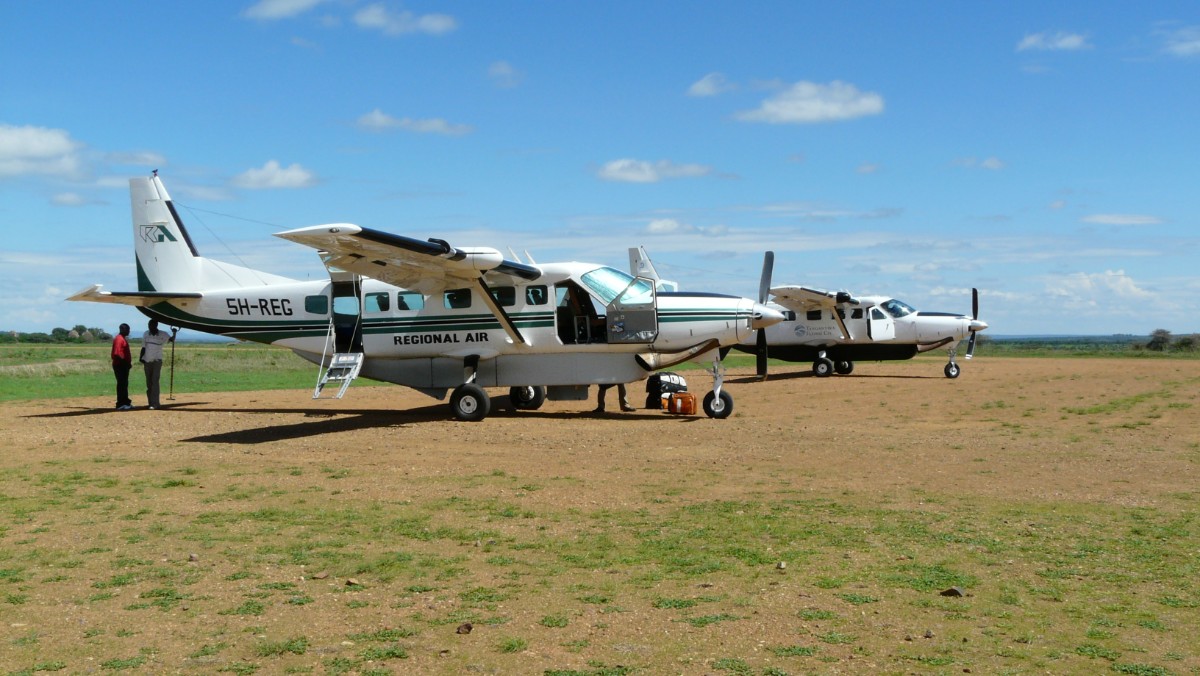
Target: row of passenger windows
[(452, 299), (856, 313)]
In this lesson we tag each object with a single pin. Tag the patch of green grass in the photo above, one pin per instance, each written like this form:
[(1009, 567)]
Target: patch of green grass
[(512, 644), (295, 646)]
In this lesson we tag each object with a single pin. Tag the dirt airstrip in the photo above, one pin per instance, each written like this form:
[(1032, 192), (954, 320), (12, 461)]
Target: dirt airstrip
[(106, 510)]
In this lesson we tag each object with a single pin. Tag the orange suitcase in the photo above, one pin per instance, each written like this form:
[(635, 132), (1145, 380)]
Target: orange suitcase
[(683, 403)]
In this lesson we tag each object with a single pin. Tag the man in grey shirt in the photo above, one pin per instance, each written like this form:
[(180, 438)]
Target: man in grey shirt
[(152, 359)]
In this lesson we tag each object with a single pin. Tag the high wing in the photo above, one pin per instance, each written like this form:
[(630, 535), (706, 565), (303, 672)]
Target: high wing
[(802, 299), (427, 266), (94, 294)]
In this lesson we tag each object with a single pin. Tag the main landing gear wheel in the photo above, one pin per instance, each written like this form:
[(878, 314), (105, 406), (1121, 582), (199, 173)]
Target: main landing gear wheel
[(470, 403), (844, 368), (952, 370), (823, 367), (718, 406), (527, 397)]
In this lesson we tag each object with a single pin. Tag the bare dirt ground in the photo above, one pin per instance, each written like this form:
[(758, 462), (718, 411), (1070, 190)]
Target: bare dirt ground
[(124, 490)]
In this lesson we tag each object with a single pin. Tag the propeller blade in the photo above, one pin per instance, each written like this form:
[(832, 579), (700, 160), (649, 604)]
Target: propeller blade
[(971, 345), (764, 284), (760, 353), (974, 303)]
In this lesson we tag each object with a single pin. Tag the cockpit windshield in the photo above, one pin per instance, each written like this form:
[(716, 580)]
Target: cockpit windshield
[(608, 283), (897, 308)]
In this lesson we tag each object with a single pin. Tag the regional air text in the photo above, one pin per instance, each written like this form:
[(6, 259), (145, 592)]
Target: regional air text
[(430, 338)]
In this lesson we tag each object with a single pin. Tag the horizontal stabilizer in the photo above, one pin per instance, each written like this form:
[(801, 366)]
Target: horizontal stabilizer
[(94, 294)]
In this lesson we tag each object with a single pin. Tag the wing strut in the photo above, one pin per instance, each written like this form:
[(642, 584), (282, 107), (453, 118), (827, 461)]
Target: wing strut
[(505, 321)]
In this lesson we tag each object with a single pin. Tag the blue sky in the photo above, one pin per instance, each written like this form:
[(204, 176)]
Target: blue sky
[(1046, 153)]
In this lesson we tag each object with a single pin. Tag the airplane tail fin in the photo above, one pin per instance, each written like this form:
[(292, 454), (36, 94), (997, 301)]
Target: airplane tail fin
[(166, 257), (640, 266)]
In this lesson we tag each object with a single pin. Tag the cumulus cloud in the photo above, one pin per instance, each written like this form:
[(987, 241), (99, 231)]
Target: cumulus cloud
[(1100, 285), (379, 17), (711, 85), (138, 159), (377, 120), (671, 226), (273, 175), (69, 199), (1060, 41), (1183, 42), (1121, 219), (37, 150), (641, 171), (503, 75), (811, 102), (270, 10)]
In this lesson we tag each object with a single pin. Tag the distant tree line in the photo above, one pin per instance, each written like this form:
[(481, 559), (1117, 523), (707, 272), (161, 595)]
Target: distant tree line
[(79, 334)]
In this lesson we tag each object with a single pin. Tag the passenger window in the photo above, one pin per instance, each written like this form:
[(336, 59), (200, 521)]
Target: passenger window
[(316, 305), (406, 300), (457, 299), (813, 315), (856, 313), (377, 302), (535, 295), (841, 313), (505, 296)]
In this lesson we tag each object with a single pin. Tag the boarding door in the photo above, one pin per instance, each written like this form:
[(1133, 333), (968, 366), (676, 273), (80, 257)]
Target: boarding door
[(880, 326), (347, 309), (632, 317)]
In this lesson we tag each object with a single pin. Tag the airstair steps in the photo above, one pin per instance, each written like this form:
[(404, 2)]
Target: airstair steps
[(344, 368)]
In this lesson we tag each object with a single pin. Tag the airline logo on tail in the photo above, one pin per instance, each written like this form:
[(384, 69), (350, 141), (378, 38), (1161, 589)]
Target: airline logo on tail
[(157, 234)]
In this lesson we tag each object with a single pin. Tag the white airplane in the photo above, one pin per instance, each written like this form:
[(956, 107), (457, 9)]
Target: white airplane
[(833, 329), (434, 317)]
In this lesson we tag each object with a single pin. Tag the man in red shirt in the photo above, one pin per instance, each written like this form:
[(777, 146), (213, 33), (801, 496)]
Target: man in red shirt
[(122, 361)]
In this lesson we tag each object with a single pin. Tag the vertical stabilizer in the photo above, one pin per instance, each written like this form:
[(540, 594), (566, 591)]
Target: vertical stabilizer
[(166, 258)]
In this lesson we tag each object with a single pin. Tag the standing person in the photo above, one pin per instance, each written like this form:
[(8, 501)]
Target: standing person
[(122, 362), (152, 343), (625, 406)]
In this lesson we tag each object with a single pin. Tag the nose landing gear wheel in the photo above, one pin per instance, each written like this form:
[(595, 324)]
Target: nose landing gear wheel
[(527, 398), (470, 403), (718, 407), (952, 370)]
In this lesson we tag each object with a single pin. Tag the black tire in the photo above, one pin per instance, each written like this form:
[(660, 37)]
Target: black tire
[(527, 397), (952, 370), (470, 403), (844, 368), (823, 368), (718, 408)]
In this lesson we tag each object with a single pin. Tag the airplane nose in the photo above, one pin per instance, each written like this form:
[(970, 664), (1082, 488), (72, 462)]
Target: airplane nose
[(765, 316), (978, 325)]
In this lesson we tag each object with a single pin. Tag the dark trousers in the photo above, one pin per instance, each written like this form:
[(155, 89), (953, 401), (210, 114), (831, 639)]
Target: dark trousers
[(153, 369), (121, 371)]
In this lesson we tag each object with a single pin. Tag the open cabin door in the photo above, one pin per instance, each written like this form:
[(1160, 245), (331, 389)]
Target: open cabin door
[(632, 317), (880, 325), (345, 330)]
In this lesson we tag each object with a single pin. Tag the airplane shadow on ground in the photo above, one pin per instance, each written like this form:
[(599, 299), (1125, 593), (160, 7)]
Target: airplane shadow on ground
[(321, 421), (797, 375)]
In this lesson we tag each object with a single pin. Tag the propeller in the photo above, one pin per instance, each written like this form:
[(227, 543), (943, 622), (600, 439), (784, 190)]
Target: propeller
[(975, 319), (764, 289)]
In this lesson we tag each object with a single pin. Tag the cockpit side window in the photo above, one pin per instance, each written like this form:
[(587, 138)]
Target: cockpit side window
[(897, 308), (607, 283)]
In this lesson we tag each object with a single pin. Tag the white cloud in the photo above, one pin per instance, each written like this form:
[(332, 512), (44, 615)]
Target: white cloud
[(1060, 41), (272, 175), (671, 226), (1058, 204), (868, 168), (377, 120), (1095, 288), (1121, 219), (269, 10), (810, 102), (378, 17), (641, 171), (37, 150), (1182, 42), (503, 75), (711, 85)]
